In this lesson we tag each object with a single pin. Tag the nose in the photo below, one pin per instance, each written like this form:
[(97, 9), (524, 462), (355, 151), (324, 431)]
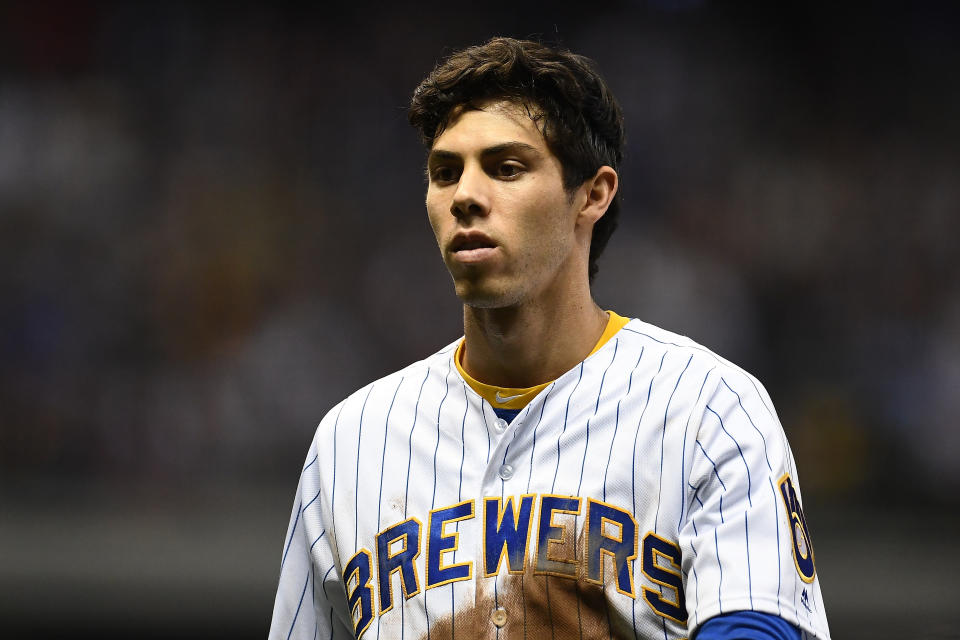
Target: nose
[(471, 197)]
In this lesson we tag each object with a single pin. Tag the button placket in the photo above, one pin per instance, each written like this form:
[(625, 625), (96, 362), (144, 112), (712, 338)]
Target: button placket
[(498, 468)]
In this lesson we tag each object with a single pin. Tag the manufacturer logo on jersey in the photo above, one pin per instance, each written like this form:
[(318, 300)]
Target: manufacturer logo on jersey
[(502, 399), (799, 532)]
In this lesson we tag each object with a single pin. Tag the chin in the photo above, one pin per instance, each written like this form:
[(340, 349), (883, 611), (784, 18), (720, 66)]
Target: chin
[(486, 296)]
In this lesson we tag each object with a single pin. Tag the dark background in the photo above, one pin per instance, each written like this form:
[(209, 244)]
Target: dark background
[(212, 229)]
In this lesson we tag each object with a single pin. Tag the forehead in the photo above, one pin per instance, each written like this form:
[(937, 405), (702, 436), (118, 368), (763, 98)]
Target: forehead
[(488, 124)]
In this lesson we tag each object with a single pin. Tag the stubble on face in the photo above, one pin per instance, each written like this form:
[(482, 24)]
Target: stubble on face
[(529, 216)]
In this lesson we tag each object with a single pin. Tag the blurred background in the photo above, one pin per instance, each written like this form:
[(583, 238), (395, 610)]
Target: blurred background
[(212, 229)]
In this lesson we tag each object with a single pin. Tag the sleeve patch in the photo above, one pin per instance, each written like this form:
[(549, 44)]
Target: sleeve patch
[(799, 532)]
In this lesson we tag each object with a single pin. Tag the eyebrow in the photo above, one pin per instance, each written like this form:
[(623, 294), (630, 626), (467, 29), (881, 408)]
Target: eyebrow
[(497, 149)]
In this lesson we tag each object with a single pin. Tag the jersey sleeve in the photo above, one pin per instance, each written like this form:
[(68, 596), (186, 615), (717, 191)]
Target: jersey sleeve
[(747, 625), (744, 539), (310, 601)]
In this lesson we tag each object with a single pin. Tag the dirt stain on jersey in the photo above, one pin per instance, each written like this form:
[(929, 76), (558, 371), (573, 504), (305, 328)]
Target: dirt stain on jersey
[(537, 607)]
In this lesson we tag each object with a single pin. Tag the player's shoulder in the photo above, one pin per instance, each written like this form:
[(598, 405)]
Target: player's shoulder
[(436, 366), (693, 356)]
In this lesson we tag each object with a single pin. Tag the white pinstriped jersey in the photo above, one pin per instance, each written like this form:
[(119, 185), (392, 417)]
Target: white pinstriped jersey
[(644, 491)]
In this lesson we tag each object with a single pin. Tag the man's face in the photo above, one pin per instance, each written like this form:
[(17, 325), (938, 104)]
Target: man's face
[(507, 229)]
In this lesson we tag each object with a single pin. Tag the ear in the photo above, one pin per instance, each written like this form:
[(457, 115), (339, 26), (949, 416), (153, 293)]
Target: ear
[(599, 191)]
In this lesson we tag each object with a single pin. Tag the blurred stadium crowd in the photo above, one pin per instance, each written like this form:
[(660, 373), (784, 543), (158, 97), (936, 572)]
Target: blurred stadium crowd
[(212, 229)]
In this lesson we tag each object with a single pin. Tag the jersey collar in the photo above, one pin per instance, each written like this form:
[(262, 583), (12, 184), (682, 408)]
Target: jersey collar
[(517, 397)]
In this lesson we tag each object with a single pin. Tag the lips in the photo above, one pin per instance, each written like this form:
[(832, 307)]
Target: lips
[(470, 240), (472, 246)]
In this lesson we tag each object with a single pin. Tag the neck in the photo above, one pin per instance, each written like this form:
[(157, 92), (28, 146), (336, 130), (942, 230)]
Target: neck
[(530, 343)]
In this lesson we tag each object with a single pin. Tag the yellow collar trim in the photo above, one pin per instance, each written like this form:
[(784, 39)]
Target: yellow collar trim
[(614, 324), (518, 398)]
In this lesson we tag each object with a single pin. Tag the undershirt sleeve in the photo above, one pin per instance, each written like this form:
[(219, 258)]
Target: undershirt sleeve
[(747, 625)]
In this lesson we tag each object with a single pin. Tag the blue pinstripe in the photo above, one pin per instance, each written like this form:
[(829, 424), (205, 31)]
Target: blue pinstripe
[(433, 499), (483, 414), (416, 409), (356, 486), (293, 530), (596, 408), (383, 454), (616, 423), (683, 450), (406, 494), (383, 458), (746, 531), (663, 437), (325, 595), (533, 448), (312, 500), (613, 438), (633, 474), (776, 519), (696, 592), (463, 454), (446, 390), (333, 489), (696, 497), (313, 597), (463, 449), (299, 604), (719, 564), (747, 413), (317, 539), (749, 484), (716, 473), (566, 415)]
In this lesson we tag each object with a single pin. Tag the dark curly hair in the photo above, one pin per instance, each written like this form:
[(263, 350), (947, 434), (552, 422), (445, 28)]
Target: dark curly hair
[(578, 115)]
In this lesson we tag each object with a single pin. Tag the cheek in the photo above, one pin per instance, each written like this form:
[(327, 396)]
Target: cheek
[(550, 233), (435, 216), (549, 222)]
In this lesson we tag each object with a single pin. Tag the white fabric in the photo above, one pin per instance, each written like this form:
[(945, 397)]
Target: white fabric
[(652, 424)]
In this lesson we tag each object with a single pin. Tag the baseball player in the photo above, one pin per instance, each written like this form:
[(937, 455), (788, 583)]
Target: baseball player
[(561, 471)]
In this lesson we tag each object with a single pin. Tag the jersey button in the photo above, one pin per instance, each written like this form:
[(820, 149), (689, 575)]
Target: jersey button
[(500, 424), (499, 616), (506, 471)]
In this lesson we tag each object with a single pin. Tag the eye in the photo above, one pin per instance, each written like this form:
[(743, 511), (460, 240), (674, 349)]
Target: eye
[(509, 169), (443, 174)]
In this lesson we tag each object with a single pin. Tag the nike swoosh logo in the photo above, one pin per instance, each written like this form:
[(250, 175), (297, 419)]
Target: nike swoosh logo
[(501, 399)]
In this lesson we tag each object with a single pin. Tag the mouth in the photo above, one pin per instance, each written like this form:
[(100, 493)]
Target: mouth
[(472, 246), (469, 241)]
